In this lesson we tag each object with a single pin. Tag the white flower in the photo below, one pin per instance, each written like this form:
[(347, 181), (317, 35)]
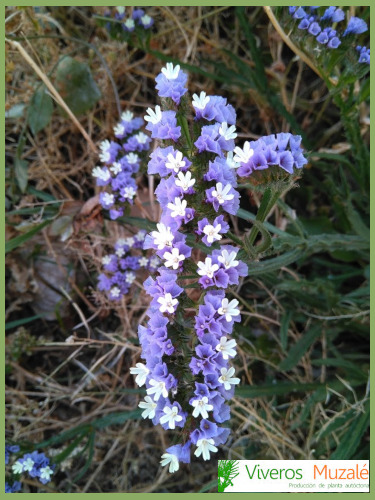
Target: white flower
[(172, 460), (140, 236), (170, 72), (46, 473), (154, 262), (227, 133), (129, 241), (145, 20), (121, 242), (132, 158), (28, 465), (104, 148), (228, 309), (141, 371), (226, 347), (228, 259), (101, 173), (222, 193), (201, 101), (153, 116), (108, 199), (212, 232), (129, 192), (120, 10), (120, 252), (143, 261), (104, 145), (149, 407), (171, 416), (17, 467), (129, 277), (119, 129), (226, 378), (204, 446), (201, 407), (115, 292), (231, 162), (141, 138), (184, 181), (175, 163), (127, 116), (167, 303), (106, 259), (243, 155), (115, 168), (173, 258), (207, 268), (129, 23), (178, 208), (163, 237), (158, 389)]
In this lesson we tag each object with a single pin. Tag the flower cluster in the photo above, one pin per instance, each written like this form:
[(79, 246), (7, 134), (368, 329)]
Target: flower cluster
[(35, 464), (128, 24), (187, 348), (364, 54), (121, 162), (318, 26), (282, 150), (121, 266)]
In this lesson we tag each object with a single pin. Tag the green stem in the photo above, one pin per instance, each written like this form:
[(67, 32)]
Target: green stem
[(269, 199), (234, 238)]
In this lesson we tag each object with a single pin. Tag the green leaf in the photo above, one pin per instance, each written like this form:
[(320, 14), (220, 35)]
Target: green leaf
[(22, 238), (276, 389), (40, 110), (116, 418), (23, 321), (209, 486), (351, 368), (274, 264), (20, 170), (352, 438), (300, 348), (91, 446), (76, 85)]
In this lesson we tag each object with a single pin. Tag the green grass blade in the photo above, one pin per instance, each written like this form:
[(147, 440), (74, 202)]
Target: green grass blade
[(299, 349), (352, 438), (22, 238)]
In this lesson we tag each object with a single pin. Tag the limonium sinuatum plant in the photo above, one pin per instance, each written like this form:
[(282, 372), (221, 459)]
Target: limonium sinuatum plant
[(187, 343)]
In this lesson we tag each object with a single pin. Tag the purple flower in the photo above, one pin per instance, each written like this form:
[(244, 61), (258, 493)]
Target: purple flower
[(212, 232), (299, 13), (364, 54), (314, 28), (109, 151), (333, 14), (15, 487), (146, 21), (171, 82), (355, 26), (225, 197), (162, 124), (137, 14), (334, 42)]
